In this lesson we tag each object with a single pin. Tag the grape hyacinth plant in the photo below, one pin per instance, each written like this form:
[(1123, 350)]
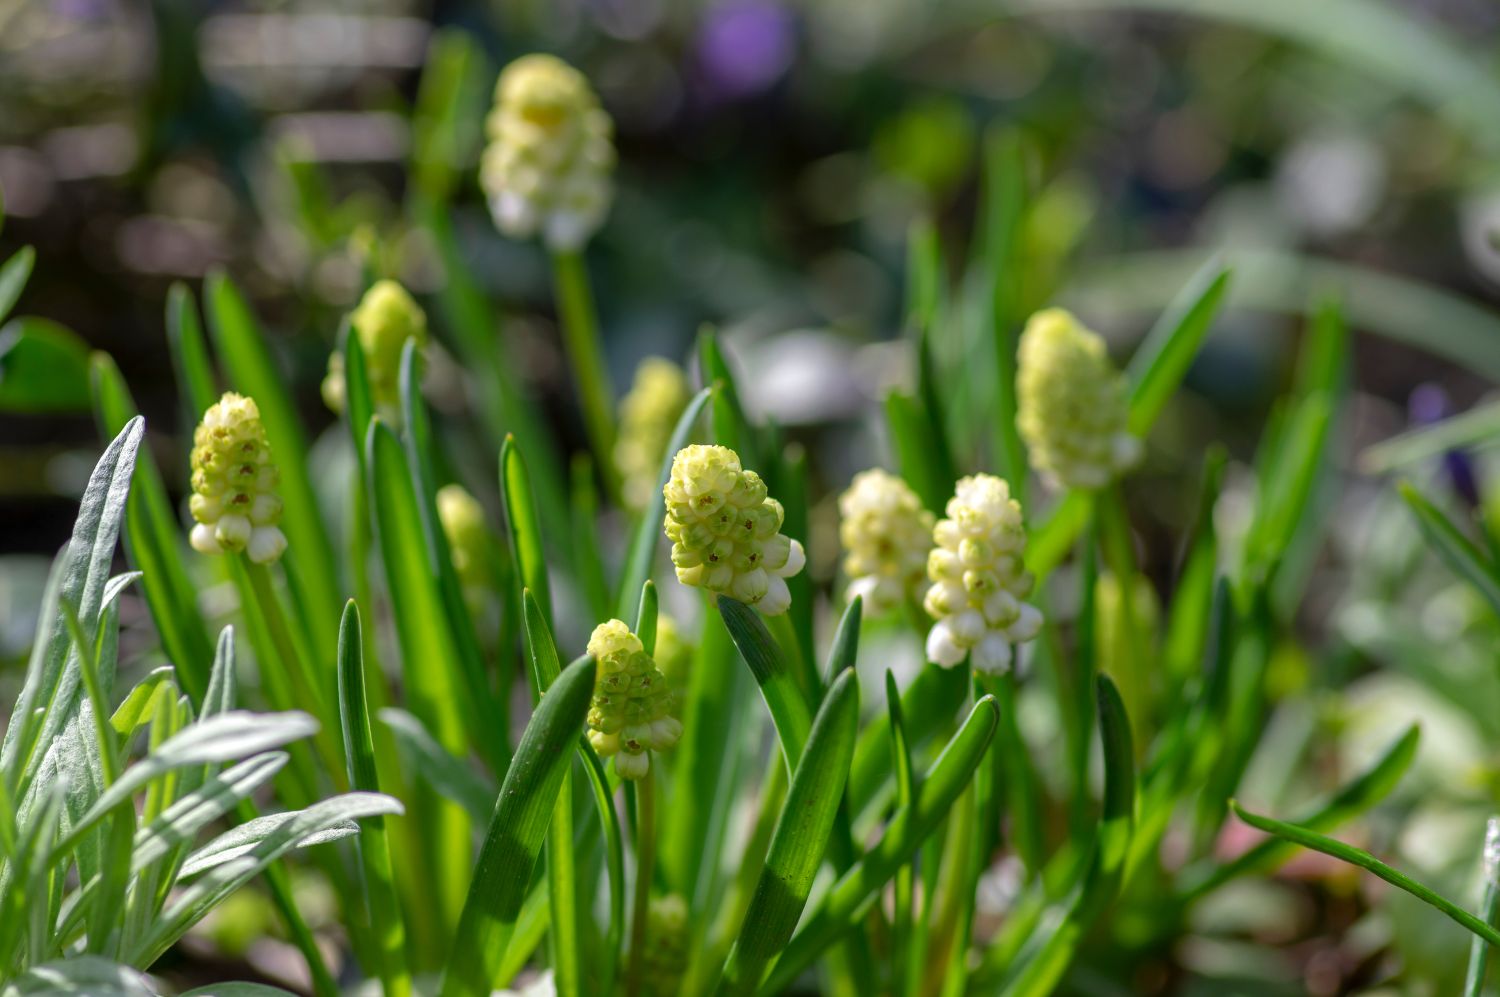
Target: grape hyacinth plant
[(460, 708)]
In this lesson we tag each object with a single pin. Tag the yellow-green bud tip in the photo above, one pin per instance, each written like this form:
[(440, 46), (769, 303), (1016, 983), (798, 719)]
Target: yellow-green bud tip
[(648, 414), (979, 578), (547, 166), (725, 530), (463, 524), (1072, 403), (234, 502), (384, 320)]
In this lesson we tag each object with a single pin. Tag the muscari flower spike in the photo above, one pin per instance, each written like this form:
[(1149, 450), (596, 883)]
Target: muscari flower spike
[(384, 320), (462, 518), (1072, 403), (725, 530), (631, 712), (979, 579), (548, 162), (648, 414), (234, 497), (886, 534)]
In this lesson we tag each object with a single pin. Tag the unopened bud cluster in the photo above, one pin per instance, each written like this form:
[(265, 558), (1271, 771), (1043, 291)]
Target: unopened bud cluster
[(386, 318), (664, 959), (648, 414), (547, 166), (725, 530), (673, 653), (631, 712), (234, 500), (1072, 403), (886, 534), (979, 579)]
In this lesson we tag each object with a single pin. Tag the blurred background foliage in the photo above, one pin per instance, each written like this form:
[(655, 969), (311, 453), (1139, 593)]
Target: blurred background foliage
[(774, 155)]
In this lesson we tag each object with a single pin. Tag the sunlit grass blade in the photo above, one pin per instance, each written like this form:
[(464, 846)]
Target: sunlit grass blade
[(523, 811), (731, 426), (929, 703), (800, 839), (376, 874), (911, 438), (1049, 541), (1004, 213), (252, 370), (926, 277), (1364, 860), (429, 660), (1163, 358), (1354, 798), (153, 539), (564, 929), (488, 722), (525, 526), (767, 661), (433, 764), (908, 828), (190, 363), (648, 531)]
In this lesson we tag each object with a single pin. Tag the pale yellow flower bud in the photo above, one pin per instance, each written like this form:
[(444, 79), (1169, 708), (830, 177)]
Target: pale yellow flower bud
[(648, 414), (384, 320), (550, 155), (234, 501), (886, 535), (631, 712), (725, 530), (978, 578), (1072, 403)]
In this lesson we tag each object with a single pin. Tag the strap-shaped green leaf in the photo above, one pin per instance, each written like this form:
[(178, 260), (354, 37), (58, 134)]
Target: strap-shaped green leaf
[(800, 839), (778, 685), (13, 277), (523, 811), (1461, 555), (909, 827), (1364, 860)]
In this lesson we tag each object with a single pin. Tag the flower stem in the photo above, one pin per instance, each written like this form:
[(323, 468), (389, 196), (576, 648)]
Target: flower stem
[(580, 330), (645, 861)]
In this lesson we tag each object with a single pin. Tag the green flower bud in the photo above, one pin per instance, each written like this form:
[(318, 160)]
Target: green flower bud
[(548, 163), (1072, 403), (665, 954), (234, 497), (673, 654), (886, 535), (468, 538), (648, 414), (384, 320), (631, 712), (725, 530), (978, 579)]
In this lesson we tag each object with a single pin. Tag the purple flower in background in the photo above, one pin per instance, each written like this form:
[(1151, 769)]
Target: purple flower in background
[(745, 46), (1429, 404)]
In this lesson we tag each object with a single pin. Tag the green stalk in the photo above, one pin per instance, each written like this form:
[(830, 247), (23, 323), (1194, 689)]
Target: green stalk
[(580, 330), (295, 665), (645, 862), (1021, 783)]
